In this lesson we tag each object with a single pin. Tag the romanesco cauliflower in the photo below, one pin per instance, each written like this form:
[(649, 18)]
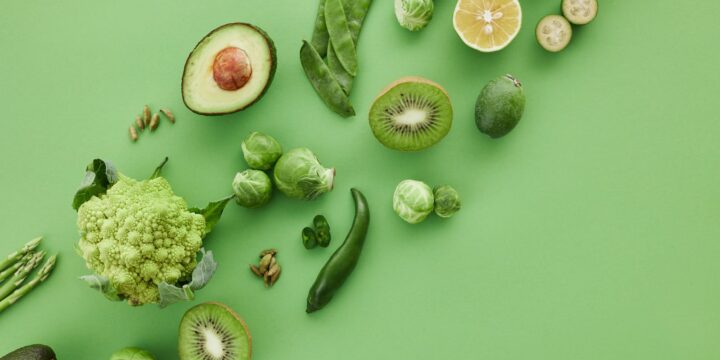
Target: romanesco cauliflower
[(139, 234)]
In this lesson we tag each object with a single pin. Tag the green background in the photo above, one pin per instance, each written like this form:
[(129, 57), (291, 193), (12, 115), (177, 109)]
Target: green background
[(590, 232)]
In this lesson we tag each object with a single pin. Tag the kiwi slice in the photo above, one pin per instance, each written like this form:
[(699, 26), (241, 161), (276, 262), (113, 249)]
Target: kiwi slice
[(411, 114), (579, 12), (553, 33), (212, 331)]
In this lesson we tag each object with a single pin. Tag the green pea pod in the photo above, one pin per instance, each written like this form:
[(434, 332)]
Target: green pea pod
[(309, 238), (341, 75), (320, 36), (324, 82), (355, 10), (340, 37), (343, 261)]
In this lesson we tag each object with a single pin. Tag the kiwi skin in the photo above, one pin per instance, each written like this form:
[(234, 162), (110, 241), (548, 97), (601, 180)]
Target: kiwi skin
[(228, 310), (398, 141)]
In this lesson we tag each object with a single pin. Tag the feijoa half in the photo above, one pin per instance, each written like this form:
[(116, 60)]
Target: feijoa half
[(228, 70), (500, 106), (553, 33), (580, 12)]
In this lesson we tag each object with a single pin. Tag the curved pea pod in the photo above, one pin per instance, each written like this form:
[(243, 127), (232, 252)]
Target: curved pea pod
[(320, 36), (324, 82), (355, 11), (340, 36)]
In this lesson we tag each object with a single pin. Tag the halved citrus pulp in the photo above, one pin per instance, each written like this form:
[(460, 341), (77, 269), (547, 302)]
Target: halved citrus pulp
[(487, 25)]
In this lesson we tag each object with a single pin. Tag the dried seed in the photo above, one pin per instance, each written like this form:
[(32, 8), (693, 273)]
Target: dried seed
[(168, 114), (273, 269), (272, 252), (140, 124), (272, 263), (266, 280), (275, 276), (133, 134), (265, 263), (146, 115), (255, 270), (154, 122)]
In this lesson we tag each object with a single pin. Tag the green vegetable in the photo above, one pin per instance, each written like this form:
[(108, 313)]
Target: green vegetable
[(340, 36), (343, 261), (500, 106), (320, 37), (343, 78), (15, 256), (447, 201), (414, 14), (132, 353), (413, 201), (261, 151), (99, 176), (324, 82), (142, 241), (31, 352), (322, 229), (355, 12), (309, 238), (20, 275), (41, 275), (298, 174), (252, 188), (11, 270)]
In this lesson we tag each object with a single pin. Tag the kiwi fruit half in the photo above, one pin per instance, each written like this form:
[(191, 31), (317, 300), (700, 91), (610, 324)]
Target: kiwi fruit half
[(411, 114), (212, 331)]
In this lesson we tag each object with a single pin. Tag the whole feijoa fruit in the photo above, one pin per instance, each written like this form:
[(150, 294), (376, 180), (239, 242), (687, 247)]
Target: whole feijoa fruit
[(500, 106)]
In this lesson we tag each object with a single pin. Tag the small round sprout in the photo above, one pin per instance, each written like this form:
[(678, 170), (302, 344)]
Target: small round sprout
[(414, 14), (252, 188), (261, 151), (447, 201), (413, 201)]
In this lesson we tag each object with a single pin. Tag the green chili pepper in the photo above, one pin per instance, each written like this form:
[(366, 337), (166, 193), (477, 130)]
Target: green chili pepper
[(324, 82), (322, 230), (340, 37), (309, 238), (355, 11), (320, 36), (343, 261)]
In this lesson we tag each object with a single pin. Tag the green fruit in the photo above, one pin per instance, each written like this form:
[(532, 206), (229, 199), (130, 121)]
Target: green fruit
[(31, 352), (500, 106), (411, 114), (553, 33), (214, 331), (579, 12), (229, 70)]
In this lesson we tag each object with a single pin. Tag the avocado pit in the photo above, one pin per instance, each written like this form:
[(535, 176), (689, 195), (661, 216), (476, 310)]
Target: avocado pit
[(232, 68)]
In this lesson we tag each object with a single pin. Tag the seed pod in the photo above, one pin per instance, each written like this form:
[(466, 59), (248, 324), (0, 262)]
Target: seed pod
[(168, 114), (273, 269), (154, 122), (255, 270), (140, 124), (275, 276), (133, 134), (266, 280), (272, 263), (268, 251), (146, 115), (265, 263)]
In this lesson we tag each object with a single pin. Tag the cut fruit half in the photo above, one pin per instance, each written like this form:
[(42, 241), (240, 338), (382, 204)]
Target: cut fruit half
[(553, 33), (212, 331), (579, 12), (487, 25)]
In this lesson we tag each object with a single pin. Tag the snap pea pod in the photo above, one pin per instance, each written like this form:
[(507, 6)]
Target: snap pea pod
[(341, 75), (343, 261), (324, 82), (320, 36), (355, 10), (340, 37)]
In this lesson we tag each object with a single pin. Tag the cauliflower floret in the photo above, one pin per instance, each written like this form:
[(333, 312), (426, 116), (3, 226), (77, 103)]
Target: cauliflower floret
[(138, 235)]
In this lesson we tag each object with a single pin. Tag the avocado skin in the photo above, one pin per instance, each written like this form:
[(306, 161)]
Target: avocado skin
[(31, 352), (273, 67), (500, 106)]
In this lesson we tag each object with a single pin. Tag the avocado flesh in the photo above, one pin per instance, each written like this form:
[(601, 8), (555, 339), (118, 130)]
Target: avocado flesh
[(200, 91), (31, 352)]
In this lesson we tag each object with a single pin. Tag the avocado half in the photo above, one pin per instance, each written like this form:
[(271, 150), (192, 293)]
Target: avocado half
[(228, 70)]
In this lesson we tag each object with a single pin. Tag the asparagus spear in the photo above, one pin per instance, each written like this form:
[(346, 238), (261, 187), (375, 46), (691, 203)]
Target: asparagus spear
[(42, 274), (17, 255), (19, 277), (11, 270)]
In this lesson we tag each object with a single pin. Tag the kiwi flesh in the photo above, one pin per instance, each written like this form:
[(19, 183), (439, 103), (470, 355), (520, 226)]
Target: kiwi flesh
[(411, 114), (213, 331)]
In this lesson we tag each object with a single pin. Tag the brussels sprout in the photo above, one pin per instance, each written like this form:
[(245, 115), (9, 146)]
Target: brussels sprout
[(413, 201), (414, 14), (447, 201), (252, 188), (261, 151), (298, 174), (132, 353)]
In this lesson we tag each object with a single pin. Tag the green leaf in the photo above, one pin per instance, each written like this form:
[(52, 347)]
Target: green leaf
[(212, 212), (158, 169), (100, 175), (101, 284), (170, 294), (203, 271)]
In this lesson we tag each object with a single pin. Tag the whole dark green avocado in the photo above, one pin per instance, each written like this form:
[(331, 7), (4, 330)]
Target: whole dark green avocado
[(31, 352), (500, 106)]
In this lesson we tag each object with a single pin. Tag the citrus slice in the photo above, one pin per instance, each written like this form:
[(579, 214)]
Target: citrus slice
[(487, 25)]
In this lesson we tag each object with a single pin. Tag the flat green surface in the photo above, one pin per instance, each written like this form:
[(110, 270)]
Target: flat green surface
[(590, 232)]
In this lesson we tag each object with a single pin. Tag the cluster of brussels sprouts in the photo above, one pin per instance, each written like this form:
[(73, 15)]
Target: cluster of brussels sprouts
[(297, 173), (414, 200)]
